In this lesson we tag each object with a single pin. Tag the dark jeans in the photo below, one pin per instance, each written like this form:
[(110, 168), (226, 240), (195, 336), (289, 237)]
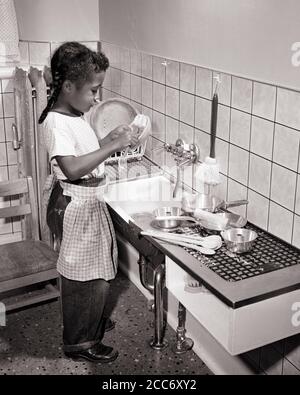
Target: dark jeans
[(55, 211), (82, 303)]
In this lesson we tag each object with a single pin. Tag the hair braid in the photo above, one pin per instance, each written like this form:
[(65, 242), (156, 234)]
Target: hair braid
[(56, 88), (74, 62)]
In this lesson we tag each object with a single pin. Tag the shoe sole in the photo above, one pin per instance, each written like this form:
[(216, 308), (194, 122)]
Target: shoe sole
[(76, 358)]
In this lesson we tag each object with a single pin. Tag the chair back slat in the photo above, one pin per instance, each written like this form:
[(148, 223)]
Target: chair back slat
[(14, 187), (15, 211), (20, 187)]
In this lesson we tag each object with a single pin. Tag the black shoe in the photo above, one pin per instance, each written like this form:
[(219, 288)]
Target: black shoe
[(109, 325), (99, 353)]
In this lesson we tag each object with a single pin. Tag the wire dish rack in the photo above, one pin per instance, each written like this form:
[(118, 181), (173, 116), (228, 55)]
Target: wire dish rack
[(106, 116)]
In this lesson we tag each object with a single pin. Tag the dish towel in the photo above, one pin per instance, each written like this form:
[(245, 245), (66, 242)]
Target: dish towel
[(9, 37)]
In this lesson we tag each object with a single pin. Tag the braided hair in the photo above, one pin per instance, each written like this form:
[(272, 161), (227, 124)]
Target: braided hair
[(74, 62)]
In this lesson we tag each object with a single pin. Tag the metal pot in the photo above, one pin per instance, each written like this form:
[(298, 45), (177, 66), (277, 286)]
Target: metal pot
[(234, 221), (213, 203), (239, 240)]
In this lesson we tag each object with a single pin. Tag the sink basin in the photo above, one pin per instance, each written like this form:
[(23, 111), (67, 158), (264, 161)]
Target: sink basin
[(141, 196)]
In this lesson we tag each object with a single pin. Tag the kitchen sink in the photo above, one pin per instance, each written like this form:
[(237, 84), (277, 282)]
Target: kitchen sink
[(139, 197)]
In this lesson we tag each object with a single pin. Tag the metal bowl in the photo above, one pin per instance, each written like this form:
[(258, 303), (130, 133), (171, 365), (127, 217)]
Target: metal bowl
[(239, 240), (168, 211), (234, 221)]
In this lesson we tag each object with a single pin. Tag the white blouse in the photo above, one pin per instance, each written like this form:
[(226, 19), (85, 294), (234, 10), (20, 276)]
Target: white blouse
[(65, 135)]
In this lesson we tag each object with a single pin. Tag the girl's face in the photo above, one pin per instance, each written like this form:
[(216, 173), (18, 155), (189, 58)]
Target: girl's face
[(83, 98)]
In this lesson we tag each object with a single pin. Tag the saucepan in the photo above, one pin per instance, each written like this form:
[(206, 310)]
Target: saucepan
[(210, 203), (213, 203)]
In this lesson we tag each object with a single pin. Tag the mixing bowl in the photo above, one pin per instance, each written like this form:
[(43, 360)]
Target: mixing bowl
[(168, 212), (239, 240)]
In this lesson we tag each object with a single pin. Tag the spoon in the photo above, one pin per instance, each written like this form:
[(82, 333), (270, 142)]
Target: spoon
[(185, 242), (203, 250), (212, 242)]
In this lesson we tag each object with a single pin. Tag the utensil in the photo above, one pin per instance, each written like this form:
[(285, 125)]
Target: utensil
[(213, 203), (234, 221), (211, 242), (203, 250), (168, 213), (239, 240)]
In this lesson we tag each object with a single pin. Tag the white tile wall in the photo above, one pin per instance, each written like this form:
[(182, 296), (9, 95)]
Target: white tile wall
[(238, 164), (286, 147), (172, 102), (202, 114), (288, 104), (136, 88), (124, 59), (187, 108), (136, 62), (258, 209), (159, 126), (262, 136), (224, 89), (204, 83), (159, 69), (159, 97), (283, 186), (296, 233), (240, 129), (147, 66), (147, 92), (2, 131), (260, 175), (223, 123), (187, 78), (242, 94), (125, 84), (39, 53), (172, 74), (264, 100), (298, 196), (280, 222), (236, 191)]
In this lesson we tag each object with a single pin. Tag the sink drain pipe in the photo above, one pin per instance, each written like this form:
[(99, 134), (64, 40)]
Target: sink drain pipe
[(158, 342), (183, 343)]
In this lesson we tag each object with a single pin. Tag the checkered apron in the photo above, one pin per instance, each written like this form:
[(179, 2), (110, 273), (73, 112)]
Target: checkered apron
[(88, 249)]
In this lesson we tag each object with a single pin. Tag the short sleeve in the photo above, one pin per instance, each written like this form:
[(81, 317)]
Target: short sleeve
[(59, 143)]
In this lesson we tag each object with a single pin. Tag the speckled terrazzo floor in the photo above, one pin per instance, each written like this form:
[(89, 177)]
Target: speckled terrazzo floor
[(31, 341)]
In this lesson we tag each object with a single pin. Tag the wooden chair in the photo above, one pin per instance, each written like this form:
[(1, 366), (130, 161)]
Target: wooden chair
[(28, 262)]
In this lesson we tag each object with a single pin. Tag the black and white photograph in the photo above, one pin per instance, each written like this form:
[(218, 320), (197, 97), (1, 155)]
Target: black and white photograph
[(149, 190)]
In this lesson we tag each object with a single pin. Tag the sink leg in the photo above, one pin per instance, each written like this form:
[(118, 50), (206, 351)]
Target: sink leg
[(158, 343), (183, 344)]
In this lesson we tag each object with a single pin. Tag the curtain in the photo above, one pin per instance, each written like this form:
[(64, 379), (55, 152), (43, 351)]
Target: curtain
[(9, 37)]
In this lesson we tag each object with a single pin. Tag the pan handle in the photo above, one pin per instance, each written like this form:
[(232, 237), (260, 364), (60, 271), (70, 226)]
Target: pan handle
[(235, 203)]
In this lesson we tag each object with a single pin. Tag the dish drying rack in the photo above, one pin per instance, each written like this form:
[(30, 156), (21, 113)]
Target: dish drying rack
[(109, 114)]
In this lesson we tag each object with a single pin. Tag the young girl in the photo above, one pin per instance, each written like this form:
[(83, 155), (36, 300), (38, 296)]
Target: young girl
[(77, 214)]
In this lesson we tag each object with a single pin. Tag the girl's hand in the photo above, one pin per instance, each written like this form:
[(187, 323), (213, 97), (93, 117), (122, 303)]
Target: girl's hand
[(125, 139), (118, 131)]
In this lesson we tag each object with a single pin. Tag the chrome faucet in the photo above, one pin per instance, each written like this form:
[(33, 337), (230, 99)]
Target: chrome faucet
[(184, 155)]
